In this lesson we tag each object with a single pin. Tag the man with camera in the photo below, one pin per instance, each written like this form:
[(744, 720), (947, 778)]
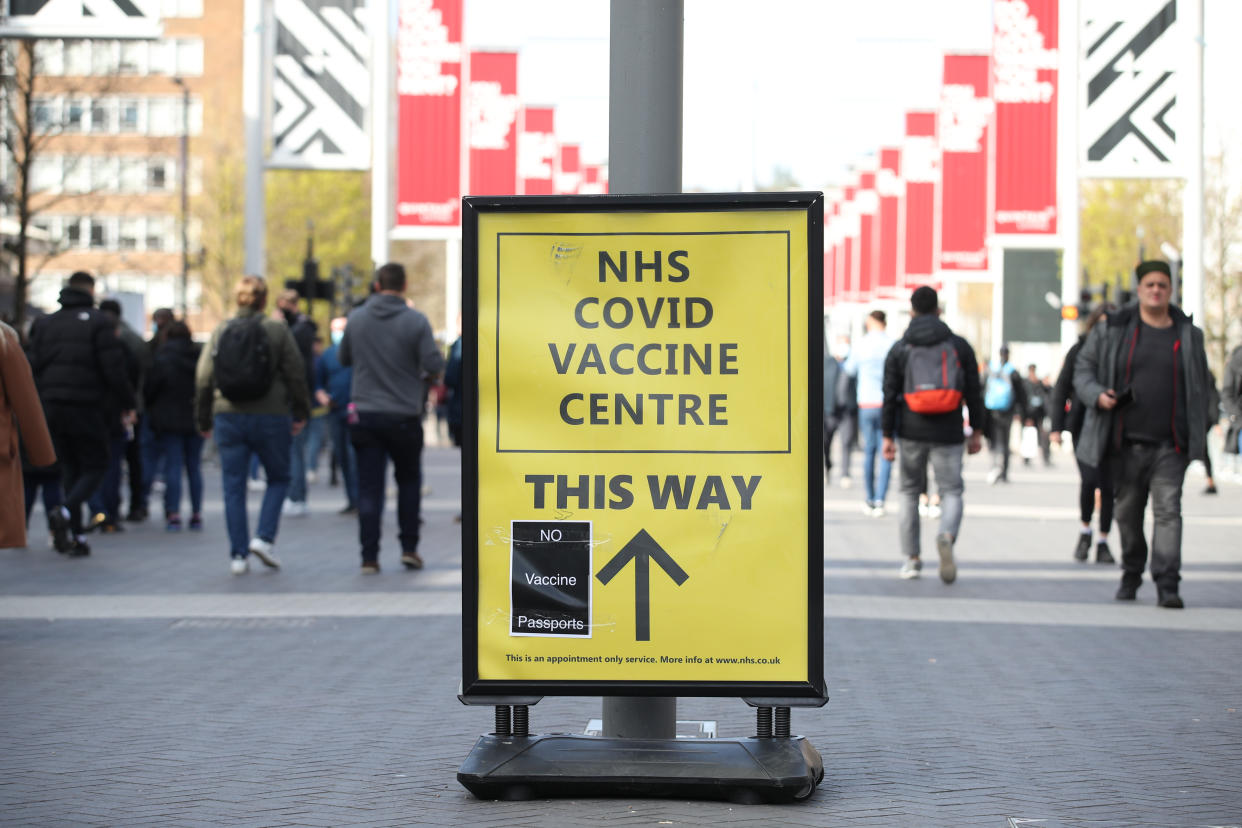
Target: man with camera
[(1143, 379)]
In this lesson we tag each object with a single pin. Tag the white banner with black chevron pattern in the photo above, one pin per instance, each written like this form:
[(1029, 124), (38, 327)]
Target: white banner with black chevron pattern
[(72, 19), (321, 85), (1133, 63)]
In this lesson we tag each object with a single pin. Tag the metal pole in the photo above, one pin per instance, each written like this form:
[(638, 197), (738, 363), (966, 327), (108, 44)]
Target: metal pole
[(185, 196), (1192, 206), (644, 156), (253, 42), (1067, 171)]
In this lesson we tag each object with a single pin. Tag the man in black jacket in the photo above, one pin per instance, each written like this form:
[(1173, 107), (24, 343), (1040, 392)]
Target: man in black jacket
[(77, 361), (1143, 378), (937, 437)]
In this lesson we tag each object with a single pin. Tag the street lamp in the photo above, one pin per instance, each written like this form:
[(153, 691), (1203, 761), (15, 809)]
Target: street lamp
[(185, 196)]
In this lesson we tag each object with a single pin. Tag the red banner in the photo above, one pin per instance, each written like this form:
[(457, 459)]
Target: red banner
[(493, 104), (868, 204), (920, 172), (537, 151), (888, 187), (429, 115), (568, 170), (850, 229), (1024, 85), (832, 228), (965, 115)]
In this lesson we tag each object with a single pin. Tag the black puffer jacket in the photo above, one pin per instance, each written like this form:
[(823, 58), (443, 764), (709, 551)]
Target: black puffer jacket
[(169, 388), (944, 429), (76, 356)]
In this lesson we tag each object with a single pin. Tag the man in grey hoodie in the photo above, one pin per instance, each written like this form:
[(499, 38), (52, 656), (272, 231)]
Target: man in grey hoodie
[(394, 355)]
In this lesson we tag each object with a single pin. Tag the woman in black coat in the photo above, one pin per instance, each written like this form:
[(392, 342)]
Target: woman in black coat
[(169, 393)]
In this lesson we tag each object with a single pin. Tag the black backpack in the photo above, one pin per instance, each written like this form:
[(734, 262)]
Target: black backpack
[(243, 360), (934, 380)]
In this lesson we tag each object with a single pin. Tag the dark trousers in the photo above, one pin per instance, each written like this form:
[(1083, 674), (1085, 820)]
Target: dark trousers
[(1139, 471), (133, 460), (830, 431), (106, 500), (998, 440), (1092, 478), (46, 480), (376, 439), (80, 437)]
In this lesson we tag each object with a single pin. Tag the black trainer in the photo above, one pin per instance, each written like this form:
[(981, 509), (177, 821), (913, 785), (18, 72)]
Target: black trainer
[(1083, 549), (80, 549), (58, 523), (1102, 555), (1128, 590), (1170, 600)]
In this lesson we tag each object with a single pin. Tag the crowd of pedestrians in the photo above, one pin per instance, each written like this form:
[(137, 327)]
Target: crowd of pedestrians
[(86, 394), (1134, 393)]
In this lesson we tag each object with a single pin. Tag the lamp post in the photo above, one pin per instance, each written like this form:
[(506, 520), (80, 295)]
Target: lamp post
[(185, 196)]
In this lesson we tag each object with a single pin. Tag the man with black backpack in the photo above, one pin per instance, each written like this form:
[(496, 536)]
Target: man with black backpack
[(928, 375), (251, 390)]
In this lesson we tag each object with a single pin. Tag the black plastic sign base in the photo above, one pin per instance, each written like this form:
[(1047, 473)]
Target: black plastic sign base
[(748, 771)]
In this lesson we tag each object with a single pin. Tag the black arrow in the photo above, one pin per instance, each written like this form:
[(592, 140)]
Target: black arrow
[(642, 548)]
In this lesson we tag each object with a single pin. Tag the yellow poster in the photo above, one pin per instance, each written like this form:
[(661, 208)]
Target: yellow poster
[(642, 446)]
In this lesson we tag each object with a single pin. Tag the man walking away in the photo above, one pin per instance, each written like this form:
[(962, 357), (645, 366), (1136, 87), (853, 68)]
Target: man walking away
[(394, 355), (250, 388), (1003, 395), (1036, 392), (928, 376), (78, 361), (1143, 377), (866, 362), (105, 502)]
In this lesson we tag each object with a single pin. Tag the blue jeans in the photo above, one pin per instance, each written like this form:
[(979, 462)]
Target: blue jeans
[(316, 432), (376, 438), (152, 461), (875, 486), (343, 449), (106, 499), (297, 467), (182, 451), (267, 436)]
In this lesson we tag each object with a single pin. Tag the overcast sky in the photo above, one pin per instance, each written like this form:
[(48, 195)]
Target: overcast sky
[(807, 85)]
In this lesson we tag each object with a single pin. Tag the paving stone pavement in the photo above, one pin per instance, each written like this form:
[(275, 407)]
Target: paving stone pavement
[(145, 685)]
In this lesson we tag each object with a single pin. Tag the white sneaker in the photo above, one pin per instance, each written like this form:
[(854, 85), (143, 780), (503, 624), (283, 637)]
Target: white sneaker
[(993, 476), (868, 508), (262, 550), (239, 566), (944, 546), (295, 508), (910, 569), (877, 511)]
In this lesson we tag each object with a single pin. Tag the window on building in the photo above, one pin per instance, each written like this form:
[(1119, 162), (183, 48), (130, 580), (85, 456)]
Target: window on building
[(158, 233), (133, 57), (98, 234), (128, 114), (105, 171), (75, 115), (50, 57), (105, 57), (157, 174), (161, 57), (101, 115), (77, 174), (133, 174), (164, 116), (73, 232), (46, 173), (46, 114), (190, 57), (129, 233), (77, 61)]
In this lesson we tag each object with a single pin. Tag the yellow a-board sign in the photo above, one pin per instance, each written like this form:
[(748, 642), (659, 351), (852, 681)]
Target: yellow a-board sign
[(642, 488)]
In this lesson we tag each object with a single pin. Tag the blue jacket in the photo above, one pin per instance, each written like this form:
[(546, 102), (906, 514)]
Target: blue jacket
[(333, 377)]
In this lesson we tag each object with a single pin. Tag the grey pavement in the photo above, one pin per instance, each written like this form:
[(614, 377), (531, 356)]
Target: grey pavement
[(145, 685)]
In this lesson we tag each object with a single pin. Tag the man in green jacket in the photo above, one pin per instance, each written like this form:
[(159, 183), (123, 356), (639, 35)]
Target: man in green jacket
[(252, 392), (1143, 380)]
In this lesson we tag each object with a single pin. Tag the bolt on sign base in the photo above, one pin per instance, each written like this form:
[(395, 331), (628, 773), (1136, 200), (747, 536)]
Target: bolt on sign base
[(746, 771)]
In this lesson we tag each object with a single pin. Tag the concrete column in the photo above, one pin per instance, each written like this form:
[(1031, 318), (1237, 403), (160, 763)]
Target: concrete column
[(1190, 13), (644, 156), (253, 42), (1067, 167)]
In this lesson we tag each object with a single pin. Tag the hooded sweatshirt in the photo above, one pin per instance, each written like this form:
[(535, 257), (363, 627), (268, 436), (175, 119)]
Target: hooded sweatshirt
[(393, 353), (899, 421)]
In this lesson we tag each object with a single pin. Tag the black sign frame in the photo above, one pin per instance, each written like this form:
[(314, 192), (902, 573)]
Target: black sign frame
[(812, 203)]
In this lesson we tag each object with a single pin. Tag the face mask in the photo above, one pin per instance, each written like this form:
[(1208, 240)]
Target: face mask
[(337, 336)]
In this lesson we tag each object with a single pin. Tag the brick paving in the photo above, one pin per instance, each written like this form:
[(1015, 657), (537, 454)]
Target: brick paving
[(147, 686)]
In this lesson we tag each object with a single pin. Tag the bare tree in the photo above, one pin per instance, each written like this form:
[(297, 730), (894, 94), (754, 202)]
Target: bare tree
[(1222, 271)]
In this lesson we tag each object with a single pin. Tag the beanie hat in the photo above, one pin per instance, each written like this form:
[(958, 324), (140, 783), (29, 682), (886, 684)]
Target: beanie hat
[(1154, 265)]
